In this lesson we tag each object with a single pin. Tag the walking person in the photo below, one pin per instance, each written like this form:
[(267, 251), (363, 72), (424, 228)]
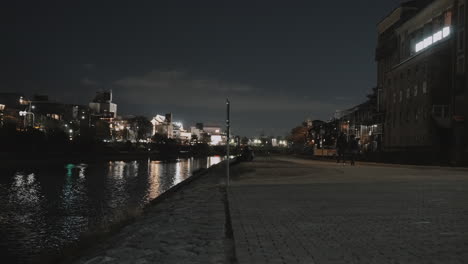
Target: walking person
[(353, 149), (341, 146)]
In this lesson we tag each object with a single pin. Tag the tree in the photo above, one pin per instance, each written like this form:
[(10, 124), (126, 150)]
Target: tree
[(143, 126), (205, 138), (299, 135), (194, 139), (244, 141), (158, 138)]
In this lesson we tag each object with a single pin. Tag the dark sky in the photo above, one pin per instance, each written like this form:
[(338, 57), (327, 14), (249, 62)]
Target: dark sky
[(279, 62)]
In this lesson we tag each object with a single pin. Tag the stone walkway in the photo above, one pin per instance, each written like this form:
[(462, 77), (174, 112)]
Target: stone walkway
[(297, 211), (187, 227)]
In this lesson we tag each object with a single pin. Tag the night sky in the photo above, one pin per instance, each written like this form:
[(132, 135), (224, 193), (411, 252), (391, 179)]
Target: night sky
[(279, 62)]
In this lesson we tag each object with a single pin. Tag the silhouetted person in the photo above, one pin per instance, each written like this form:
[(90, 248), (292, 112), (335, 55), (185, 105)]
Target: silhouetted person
[(247, 153), (341, 146), (353, 149)]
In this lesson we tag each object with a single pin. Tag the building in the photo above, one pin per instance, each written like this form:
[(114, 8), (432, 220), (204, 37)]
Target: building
[(163, 125), (365, 121), (102, 105), (12, 104), (421, 78), (212, 129), (123, 130), (215, 133)]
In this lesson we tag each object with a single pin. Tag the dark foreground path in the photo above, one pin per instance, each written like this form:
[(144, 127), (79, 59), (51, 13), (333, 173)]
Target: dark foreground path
[(189, 226), (296, 211)]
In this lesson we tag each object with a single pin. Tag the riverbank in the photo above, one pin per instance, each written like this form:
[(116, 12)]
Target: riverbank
[(113, 151), (187, 224)]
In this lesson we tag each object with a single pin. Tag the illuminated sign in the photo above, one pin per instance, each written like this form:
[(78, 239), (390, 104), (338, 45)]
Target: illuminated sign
[(436, 37)]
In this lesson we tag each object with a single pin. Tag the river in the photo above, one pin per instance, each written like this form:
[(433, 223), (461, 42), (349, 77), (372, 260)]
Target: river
[(46, 207)]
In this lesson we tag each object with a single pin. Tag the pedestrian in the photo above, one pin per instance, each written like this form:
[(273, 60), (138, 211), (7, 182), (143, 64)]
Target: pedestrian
[(247, 154), (353, 149), (341, 146)]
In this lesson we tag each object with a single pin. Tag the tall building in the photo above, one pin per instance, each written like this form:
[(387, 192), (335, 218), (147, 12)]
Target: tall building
[(422, 78), (103, 106)]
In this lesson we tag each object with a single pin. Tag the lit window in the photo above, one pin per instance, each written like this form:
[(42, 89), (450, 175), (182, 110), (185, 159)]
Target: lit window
[(419, 46), (446, 32), (437, 36), (427, 42)]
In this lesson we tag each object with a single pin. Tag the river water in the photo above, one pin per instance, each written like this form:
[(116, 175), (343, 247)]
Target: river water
[(45, 208)]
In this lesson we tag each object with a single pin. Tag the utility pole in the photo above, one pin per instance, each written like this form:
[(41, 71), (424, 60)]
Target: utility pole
[(227, 143)]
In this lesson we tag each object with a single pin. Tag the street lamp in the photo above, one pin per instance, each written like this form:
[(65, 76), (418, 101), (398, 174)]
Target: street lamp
[(2, 107), (228, 126)]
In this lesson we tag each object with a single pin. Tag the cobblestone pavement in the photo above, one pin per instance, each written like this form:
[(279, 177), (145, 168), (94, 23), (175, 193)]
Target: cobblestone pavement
[(187, 227), (298, 211)]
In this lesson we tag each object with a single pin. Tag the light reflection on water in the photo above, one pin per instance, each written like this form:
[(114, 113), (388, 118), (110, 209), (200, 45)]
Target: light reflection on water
[(45, 208)]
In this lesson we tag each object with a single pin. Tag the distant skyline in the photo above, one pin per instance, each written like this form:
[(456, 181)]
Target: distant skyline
[(278, 62)]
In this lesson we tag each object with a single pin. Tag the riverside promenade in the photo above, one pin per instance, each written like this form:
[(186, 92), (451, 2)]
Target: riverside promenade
[(187, 226), (287, 210)]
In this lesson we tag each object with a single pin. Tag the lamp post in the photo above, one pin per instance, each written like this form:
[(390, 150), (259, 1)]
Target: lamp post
[(2, 107), (227, 142), (26, 113)]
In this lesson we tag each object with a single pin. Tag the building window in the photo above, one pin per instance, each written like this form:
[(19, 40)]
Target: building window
[(461, 65), (461, 15), (440, 111), (424, 87), (401, 96), (408, 93), (461, 39), (416, 90)]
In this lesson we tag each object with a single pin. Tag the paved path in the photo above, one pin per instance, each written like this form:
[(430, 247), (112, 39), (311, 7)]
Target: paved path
[(187, 227), (298, 211)]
